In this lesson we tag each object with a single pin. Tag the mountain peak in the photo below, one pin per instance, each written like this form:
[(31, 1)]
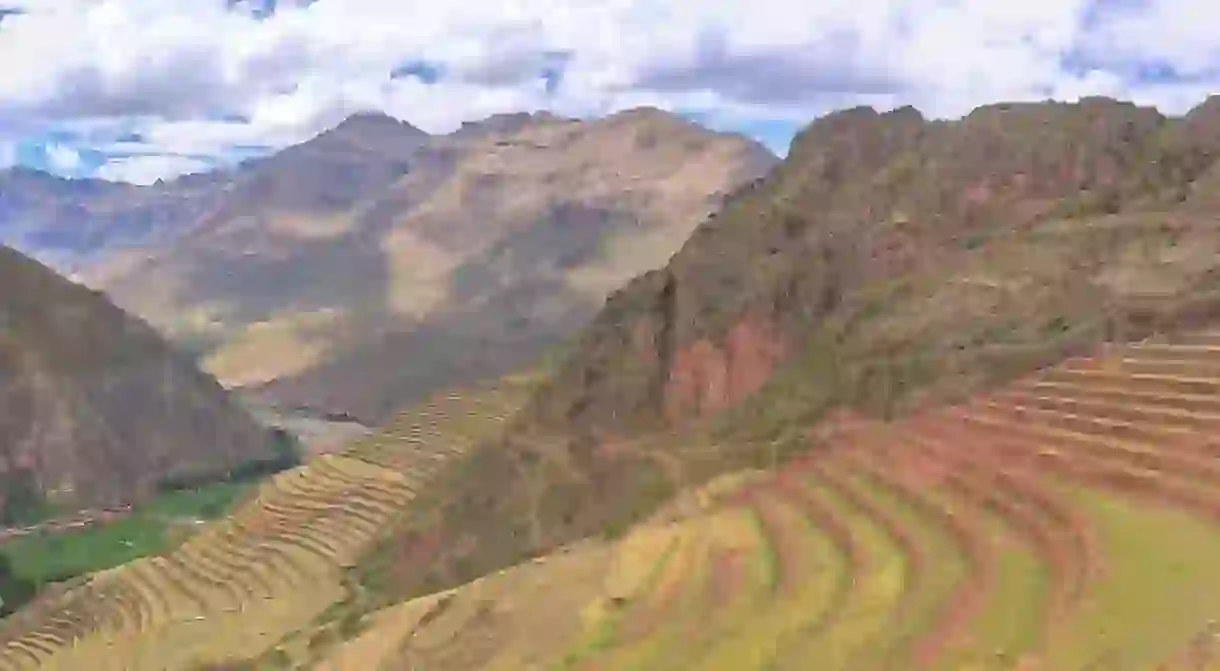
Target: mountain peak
[(27, 177), (372, 121), (508, 122), (650, 116), (362, 132), (644, 111)]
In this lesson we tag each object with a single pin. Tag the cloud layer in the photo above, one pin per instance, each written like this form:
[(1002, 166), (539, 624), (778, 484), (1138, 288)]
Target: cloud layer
[(140, 89)]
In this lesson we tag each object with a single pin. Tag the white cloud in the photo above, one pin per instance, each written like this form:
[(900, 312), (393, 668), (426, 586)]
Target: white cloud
[(170, 68), (63, 159), (1180, 33), (148, 169)]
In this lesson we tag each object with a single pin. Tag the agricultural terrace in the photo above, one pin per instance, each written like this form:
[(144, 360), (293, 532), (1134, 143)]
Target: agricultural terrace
[(243, 583), (447, 425), (1069, 520)]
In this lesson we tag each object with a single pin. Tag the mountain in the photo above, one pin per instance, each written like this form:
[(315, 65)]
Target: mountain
[(67, 222), (868, 201), (373, 264), (77, 222), (516, 241), (97, 409), (265, 223), (889, 262), (831, 316), (105, 231)]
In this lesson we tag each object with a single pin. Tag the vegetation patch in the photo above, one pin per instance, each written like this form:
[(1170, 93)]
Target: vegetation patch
[(150, 529), (21, 501), (1159, 586), (15, 590)]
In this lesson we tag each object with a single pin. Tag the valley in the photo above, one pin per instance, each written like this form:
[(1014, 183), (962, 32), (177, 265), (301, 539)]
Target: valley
[(925, 394), (272, 566), (882, 546), (316, 432)]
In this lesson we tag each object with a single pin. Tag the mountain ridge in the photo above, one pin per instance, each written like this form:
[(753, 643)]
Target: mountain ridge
[(863, 151)]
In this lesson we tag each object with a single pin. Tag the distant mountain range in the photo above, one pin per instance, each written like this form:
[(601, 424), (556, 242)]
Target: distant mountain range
[(361, 269)]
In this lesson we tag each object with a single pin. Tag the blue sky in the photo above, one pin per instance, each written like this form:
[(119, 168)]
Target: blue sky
[(156, 88)]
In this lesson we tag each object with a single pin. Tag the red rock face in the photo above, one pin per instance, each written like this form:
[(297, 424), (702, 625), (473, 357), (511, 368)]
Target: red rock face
[(644, 341), (706, 378), (978, 194), (613, 449), (1107, 172), (755, 350)]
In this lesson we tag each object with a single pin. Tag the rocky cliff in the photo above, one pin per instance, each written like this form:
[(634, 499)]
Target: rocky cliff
[(862, 200)]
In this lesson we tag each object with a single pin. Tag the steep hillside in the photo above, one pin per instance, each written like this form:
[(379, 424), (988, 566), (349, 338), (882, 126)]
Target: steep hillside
[(888, 262), (96, 408), (1065, 521), (311, 276), (866, 200)]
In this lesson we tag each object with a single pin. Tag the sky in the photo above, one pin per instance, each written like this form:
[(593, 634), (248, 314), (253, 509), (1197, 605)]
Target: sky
[(136, 90)]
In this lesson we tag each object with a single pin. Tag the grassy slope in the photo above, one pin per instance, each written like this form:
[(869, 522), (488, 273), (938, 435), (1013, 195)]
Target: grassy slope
[(1004, 305), (1159, 587), (887, 521)]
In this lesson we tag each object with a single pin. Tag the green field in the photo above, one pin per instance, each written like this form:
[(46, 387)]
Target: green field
[(150, 529)]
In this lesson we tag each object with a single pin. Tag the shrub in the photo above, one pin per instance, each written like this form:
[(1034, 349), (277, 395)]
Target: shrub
[(21, 500), (15, 591)]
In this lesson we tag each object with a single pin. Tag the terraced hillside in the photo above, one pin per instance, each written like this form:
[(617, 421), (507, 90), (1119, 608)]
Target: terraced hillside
[(239, 586), (447, 424), (1067, 520)]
